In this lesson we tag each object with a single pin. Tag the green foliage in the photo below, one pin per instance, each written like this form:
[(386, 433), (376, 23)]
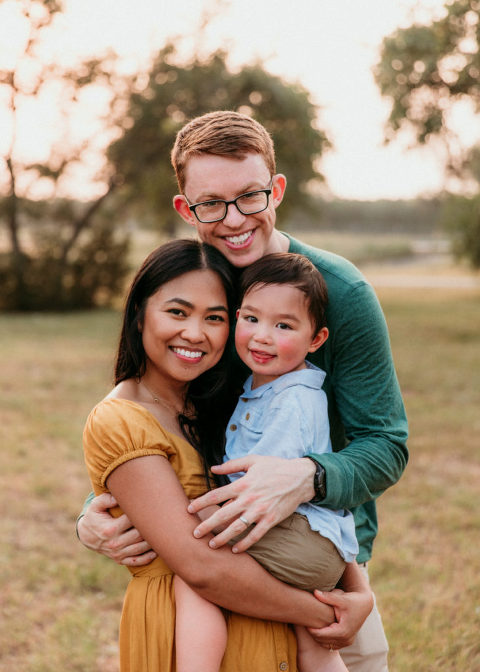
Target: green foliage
[(174, 92), (90, 274), (59, 255), (383, 216), (461, 217), (426, 69)]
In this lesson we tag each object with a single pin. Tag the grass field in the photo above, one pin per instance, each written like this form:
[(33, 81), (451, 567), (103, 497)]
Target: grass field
[(61, 603)]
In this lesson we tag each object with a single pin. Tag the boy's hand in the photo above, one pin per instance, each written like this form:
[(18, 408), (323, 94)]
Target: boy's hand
[(113, 537), (271, 489)]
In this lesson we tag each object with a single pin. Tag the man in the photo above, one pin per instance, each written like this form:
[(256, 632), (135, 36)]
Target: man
[(229, 191)]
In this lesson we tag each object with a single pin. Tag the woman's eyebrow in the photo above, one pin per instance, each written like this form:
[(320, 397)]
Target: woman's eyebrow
[(187, 304)]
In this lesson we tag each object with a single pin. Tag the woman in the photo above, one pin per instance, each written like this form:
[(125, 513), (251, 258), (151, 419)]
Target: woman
[(170, 386)]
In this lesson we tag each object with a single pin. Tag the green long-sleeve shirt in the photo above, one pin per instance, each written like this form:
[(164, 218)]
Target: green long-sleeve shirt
[(368, 424)]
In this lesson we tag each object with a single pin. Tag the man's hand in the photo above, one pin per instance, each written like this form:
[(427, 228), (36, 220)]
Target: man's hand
[(351, 610), (113, 537), (271, 489)]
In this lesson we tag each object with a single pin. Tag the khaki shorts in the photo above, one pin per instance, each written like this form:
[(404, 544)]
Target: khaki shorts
[(292, 552)]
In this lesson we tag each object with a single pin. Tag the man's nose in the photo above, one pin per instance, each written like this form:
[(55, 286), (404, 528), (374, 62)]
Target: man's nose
[(234, 217)]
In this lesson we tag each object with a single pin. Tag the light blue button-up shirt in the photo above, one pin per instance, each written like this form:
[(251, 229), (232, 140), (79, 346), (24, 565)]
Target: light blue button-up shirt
[(288, 418)]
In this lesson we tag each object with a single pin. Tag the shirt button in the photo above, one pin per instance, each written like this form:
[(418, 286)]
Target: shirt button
[(233, 427), (283, 666), (247, 417)]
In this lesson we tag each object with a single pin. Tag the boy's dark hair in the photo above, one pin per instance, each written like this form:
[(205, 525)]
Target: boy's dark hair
[(286, 268)]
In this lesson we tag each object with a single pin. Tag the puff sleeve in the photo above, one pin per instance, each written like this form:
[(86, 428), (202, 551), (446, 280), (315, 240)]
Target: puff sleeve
[(117, 431)]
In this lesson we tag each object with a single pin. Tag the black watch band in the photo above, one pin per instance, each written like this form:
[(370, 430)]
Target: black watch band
[(319, 484)]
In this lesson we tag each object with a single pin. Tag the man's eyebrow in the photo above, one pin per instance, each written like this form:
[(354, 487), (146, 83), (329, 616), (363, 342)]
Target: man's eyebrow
[(211, 196), (187, 304)]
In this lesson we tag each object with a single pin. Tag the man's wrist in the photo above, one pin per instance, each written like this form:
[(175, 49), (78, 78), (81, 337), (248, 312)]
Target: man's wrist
[(319, 481)]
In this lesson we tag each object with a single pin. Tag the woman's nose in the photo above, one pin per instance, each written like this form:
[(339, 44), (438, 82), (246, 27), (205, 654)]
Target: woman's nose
[(193, 330)]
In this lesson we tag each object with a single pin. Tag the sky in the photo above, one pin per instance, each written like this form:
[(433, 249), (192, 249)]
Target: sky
[(329, 46)]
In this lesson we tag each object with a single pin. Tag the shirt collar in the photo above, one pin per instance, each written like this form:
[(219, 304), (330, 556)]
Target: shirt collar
[(312, 377)]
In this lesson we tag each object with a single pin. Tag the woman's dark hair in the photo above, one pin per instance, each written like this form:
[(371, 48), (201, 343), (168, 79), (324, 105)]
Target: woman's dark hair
[(287, 268), (210, 394)]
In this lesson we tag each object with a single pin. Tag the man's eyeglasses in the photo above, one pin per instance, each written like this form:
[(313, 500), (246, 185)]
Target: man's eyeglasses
[(208, 212)]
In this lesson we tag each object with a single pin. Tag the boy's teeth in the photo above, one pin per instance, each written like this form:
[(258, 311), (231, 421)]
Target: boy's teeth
[(188, 353), (237, 240)]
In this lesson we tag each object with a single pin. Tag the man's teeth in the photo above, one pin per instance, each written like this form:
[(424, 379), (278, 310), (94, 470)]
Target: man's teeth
[(238, 240), (193, 354)]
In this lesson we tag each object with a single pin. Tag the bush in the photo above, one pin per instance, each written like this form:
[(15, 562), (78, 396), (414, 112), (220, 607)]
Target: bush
[(91, 274), (461, 218)]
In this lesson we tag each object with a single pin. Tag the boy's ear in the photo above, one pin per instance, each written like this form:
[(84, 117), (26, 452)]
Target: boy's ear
[(319, 339), (237, 313)]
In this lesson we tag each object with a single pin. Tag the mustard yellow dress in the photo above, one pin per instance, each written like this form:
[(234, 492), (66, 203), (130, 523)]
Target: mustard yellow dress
[(116, 431)]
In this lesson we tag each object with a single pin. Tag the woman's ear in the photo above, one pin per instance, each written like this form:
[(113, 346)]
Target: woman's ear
[(319, 339)]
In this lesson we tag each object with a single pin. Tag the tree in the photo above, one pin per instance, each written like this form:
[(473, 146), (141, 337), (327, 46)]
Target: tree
[(174, 92), (428, 71), (61, 253), (64, 253)]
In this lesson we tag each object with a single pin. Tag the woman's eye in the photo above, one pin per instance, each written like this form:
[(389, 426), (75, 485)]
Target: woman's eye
[(176, 311), (216, 318)]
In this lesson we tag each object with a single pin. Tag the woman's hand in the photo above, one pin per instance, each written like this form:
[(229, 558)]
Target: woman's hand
[(351, 610), (99, 531), (271, 489)]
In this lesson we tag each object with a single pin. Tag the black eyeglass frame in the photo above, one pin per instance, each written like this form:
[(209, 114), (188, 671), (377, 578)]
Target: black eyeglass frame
[(194, 206)]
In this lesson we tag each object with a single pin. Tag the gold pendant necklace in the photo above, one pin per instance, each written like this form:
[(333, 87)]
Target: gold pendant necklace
[(158, 400)]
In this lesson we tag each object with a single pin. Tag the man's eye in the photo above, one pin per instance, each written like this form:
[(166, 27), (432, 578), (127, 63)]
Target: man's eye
[(211, 204)]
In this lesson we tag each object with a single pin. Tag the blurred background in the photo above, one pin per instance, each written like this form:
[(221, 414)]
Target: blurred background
[(374, 111)]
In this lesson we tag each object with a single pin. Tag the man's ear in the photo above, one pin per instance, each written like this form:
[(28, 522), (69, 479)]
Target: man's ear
[(279, 184), (181, 206), (319, 339)]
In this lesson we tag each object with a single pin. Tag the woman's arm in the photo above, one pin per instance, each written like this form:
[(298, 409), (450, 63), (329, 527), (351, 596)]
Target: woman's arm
[(148, 491)]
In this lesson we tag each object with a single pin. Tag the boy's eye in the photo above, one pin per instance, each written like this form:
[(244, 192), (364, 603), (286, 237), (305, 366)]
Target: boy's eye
[(283, 325), (250, 318)]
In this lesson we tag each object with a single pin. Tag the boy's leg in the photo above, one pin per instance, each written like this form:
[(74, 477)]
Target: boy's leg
[(200, 631), (369, 651), (311, 657)]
